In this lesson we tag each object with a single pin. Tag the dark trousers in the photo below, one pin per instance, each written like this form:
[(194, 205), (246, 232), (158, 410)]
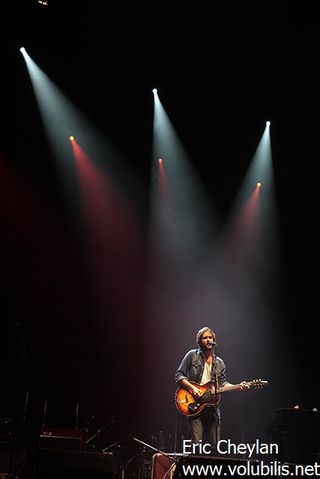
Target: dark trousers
[(205, 427)]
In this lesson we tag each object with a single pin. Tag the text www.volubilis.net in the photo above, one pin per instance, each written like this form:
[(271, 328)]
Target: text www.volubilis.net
[(261, 469)]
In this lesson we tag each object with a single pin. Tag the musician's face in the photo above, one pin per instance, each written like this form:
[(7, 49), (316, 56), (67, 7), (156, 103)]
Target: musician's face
[(206, 340)]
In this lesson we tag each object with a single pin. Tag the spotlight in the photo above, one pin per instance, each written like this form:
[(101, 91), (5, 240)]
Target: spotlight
[(160, 161), (45, 3), (154, 90), (268, 123), (258, 184), (71, 138)]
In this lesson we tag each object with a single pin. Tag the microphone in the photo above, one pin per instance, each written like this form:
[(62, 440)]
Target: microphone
[(212, 344)]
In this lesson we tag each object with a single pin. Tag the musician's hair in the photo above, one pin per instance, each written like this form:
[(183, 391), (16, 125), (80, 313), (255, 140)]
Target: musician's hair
[(201, 332)]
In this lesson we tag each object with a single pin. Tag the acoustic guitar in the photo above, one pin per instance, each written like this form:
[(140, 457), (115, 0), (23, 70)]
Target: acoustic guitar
[(189, 406)]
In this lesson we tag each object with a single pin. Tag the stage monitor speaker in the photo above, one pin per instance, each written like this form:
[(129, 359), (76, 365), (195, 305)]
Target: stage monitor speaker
[(173, 466), (162, 466), (53, 464)]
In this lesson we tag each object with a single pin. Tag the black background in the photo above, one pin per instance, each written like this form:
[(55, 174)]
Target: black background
[(221, 72)]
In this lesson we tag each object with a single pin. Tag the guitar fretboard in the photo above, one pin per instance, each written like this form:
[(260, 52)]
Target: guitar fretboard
[(258, 383), (229, 387)]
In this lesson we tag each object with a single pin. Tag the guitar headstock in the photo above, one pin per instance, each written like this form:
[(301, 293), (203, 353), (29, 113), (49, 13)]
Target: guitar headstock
[(258, 384)]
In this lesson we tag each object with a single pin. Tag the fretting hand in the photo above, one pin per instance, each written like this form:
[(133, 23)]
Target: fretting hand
[(244, 386)]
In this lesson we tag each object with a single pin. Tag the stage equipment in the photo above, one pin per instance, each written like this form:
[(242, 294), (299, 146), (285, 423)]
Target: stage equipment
[(171, 466), (297, 433), (53, 464), (67, 439)]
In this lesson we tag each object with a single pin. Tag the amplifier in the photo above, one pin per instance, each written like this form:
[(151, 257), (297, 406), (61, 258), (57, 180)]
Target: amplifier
[(52, 438), (53, 464)]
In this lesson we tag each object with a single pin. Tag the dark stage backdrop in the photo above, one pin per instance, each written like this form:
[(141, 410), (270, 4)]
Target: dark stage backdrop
[(115, 355)]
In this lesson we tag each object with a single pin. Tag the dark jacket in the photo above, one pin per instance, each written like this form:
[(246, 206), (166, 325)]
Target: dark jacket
[(192, 366)]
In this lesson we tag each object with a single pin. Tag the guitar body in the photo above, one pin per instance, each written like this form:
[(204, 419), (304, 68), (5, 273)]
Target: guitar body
[(189, 406)]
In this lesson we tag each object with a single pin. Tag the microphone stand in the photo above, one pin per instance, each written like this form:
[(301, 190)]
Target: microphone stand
[(216, 384), (98, 432)]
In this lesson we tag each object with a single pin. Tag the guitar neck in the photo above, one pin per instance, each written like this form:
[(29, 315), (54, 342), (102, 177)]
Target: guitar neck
[(229, 387), (255, 384)]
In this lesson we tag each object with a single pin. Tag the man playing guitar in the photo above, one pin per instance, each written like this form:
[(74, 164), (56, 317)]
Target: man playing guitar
[(202, 367)]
